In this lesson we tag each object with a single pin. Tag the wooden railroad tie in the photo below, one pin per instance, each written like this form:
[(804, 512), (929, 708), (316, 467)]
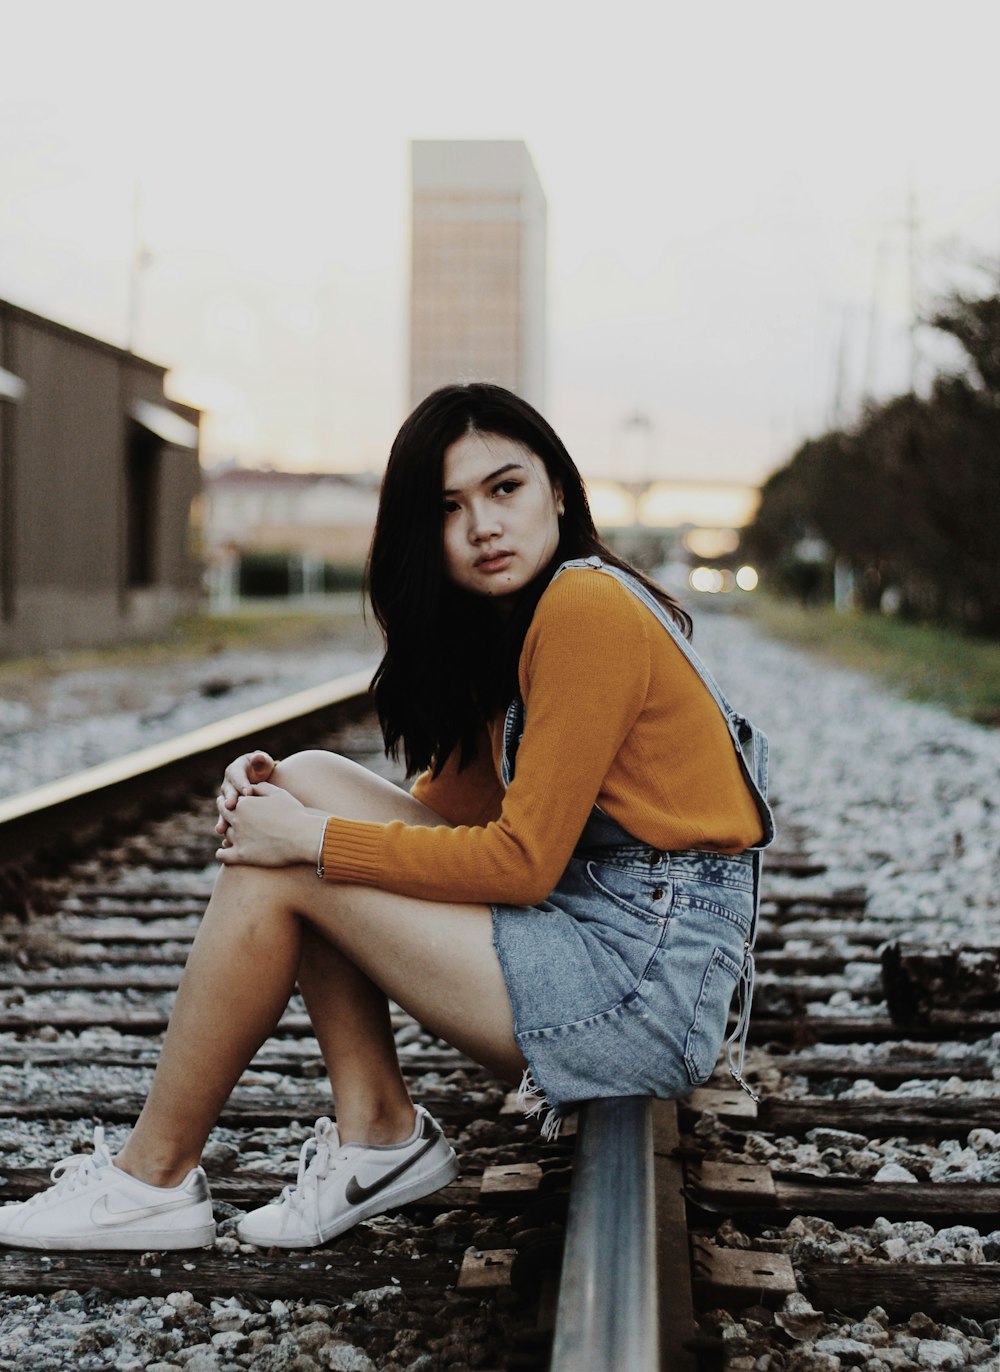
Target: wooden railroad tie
[(949, 985)]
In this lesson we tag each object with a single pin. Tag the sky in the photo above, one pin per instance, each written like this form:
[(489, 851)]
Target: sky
[(747, 201)]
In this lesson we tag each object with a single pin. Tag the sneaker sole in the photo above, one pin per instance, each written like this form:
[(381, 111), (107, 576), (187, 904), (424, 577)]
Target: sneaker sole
[(149, 1240), (389, 1199)]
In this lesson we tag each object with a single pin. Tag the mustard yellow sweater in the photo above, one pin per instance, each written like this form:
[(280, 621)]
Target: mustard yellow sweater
[(614, 714)]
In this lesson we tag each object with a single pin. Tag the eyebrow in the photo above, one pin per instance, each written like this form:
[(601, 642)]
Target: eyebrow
[(507, 467)]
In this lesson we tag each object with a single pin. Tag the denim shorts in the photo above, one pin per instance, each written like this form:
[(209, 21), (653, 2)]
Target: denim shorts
[(620, 982)]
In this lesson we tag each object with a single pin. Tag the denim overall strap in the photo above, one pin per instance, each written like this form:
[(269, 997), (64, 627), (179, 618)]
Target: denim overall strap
[(750, 743), (751, 751)]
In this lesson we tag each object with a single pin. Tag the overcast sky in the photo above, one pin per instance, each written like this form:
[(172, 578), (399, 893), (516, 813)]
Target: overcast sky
[(730, 189)]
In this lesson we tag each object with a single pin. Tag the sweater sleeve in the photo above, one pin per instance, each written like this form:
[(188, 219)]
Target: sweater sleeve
[(584, 676)]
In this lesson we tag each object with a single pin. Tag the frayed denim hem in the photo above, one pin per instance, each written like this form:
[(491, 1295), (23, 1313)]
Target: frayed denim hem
[(532, 1101)]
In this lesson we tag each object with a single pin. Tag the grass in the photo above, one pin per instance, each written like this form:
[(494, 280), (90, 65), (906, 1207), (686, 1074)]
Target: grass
[(199, 636), (921, 661)]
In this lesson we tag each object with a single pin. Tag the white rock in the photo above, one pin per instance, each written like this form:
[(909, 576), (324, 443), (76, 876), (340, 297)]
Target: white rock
[(893, 1171), (850, 1351), (934, 1353), (345, 1357), (229, 1342)]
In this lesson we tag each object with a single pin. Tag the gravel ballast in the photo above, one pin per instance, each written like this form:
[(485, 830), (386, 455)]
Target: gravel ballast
[(895, 797)]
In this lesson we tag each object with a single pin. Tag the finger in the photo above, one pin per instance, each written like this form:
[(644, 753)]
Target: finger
[(236, 777)]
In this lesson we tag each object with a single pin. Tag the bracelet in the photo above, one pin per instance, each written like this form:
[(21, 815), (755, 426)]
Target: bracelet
[(320, 868)]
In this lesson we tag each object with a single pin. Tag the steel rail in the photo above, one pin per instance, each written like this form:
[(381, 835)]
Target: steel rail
[(607, 1317), (35, 818)]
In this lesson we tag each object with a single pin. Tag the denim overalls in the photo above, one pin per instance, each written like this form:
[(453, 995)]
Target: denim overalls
[(620, 982)]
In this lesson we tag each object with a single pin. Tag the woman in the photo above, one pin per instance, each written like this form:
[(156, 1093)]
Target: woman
[(567, 895)]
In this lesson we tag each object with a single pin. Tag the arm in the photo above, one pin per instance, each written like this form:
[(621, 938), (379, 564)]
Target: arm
[(584, 677)]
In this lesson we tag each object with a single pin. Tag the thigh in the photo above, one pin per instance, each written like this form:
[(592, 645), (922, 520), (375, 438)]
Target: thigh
[(437, 961), (326, 781)]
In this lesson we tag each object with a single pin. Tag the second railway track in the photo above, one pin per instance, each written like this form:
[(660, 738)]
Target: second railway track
[(782, 1235)]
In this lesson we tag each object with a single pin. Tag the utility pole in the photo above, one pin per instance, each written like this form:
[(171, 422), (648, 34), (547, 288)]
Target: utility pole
[(871, 348), (141, 258), (912, 227), (837, 406)]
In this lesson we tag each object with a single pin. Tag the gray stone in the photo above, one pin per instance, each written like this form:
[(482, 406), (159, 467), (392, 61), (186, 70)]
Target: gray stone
[(345, 1357), (201, 1358), (807, 1360), (836, 1138), (310, 1338), (894, 1171), (867, 1331), (849, 1351), (934, 1353), (229, 1342), (184, 1303), (220, 1157), (379, 1298)]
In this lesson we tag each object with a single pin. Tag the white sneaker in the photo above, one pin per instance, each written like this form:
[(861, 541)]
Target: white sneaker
[(94, 1204), (340, 1184)]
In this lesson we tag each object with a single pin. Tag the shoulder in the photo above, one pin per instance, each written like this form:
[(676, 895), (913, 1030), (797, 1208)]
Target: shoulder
[(591, 607)]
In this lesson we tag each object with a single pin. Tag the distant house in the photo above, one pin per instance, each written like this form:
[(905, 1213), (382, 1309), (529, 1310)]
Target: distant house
[(315, 520), (98, 476)]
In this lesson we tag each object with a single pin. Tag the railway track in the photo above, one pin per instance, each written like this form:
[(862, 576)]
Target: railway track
[(735, 1235)]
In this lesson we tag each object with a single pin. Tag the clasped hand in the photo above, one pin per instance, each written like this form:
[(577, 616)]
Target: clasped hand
[(260, 824)]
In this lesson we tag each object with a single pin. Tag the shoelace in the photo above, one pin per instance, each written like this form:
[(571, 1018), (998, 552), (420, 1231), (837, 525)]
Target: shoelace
[(736, 1046), (76, 1171), (314, 1165)]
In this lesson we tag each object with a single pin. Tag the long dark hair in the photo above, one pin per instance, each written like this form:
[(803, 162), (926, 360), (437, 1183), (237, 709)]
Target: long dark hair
[(450, 662)]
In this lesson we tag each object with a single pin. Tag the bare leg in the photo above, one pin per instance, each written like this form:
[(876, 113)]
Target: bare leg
[(350, 1014), (436, 960), (350, 1017), (239, 975)]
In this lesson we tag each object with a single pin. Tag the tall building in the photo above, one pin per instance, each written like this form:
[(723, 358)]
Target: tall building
[(477, 289)]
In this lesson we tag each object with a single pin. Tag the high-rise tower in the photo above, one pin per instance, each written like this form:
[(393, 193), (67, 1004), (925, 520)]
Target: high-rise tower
[(477, 286)]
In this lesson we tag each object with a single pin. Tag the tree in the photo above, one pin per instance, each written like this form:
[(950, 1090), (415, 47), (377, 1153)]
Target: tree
[(909, 498)]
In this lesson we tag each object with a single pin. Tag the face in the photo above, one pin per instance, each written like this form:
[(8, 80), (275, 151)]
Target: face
[(501, 515)]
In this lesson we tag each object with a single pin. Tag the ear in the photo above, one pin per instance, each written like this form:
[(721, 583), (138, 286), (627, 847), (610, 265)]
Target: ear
[(557, 491)]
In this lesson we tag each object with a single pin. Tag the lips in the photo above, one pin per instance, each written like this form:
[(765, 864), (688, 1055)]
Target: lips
[(495, 561)]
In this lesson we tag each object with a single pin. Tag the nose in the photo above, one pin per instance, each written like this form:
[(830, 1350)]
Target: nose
[(484, 522)]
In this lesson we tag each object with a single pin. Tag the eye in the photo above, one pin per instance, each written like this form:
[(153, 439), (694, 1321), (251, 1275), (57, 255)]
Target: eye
[(506, 487), (450, 506)]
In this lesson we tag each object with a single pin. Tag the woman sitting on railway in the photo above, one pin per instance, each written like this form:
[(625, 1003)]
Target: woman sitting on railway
[(567, 895)]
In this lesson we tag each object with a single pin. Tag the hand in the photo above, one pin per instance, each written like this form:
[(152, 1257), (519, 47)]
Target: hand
[(239, 780), (269, 828)]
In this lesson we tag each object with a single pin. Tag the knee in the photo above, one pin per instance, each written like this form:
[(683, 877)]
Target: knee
[(250, 900), (309, 775)]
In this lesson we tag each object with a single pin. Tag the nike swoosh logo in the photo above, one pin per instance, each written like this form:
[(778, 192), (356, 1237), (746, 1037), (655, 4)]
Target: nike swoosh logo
[(355, 1193), (101, 1213)]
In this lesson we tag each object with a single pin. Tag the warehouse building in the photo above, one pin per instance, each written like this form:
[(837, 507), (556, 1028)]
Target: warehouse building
[(99, 478)]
